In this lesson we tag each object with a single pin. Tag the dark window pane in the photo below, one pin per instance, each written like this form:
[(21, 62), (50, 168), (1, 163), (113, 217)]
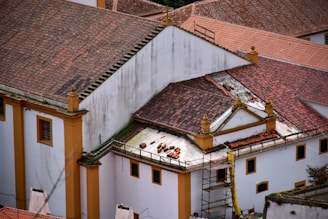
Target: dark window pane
[(251, 166), (134, 169), (221, 175), (1, 106), (300, 152), (156, 176), (323, 145), (262, 187), (45, 130)]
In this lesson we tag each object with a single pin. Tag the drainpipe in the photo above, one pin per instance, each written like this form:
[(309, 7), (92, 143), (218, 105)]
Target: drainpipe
[(231, 160)]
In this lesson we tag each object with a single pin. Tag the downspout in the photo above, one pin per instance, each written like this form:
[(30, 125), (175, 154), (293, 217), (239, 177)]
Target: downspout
[(231, 160)]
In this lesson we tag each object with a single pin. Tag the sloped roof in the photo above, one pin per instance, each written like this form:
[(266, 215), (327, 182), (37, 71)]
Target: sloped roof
[(287, 85), (182, 105), (141, 8), (288, 17), (13, 213), (277, 46), (48, 46)]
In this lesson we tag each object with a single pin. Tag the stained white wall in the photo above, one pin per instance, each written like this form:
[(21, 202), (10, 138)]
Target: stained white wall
[(83, 184), (173, 55), (286, 210), (107, 190), (147, 199), (317, 38), (7, 160), (279, 167), (44, 164), (196, 191)]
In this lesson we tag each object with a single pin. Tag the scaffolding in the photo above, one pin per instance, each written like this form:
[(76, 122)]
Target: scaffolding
[(216, 195)]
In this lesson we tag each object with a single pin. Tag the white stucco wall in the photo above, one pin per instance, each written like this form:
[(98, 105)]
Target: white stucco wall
[(83, 184), (92, 3), (7, 160), (173, 55), (107, 190), (44, 163), (317, 38), (279, 167), (240, 118), (286, 210), (147, 199)]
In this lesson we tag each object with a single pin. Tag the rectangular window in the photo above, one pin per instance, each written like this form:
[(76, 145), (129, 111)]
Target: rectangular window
[(135, 216), (157, 175), (300, 184), (221, 175), (2, 109), (323, 146), (262, 186), (44, 126), (251, 165), (300, 152), (134, 168)]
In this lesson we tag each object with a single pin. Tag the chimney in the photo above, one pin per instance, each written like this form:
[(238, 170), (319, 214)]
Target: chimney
[(253, 56), (73, 100), (167, 21)]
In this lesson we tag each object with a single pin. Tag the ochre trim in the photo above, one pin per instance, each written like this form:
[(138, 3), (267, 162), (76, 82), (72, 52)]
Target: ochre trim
[(39, 130), (300, 184), (261, 183), (101, 3), (18, 117), (155, 168), (93, 192), (73, 151), (184, 197), (239, 128), (297, 147), (3, 115), (137, 163), (247, 160)]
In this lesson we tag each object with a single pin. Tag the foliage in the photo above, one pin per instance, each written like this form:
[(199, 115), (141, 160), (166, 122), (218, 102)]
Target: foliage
[(317, 175)]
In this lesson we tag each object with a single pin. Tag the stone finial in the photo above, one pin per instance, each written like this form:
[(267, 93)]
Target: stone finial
[(73, 100), (205, 125), (253, 55), (269, 107), (167, 21), (238, 103)]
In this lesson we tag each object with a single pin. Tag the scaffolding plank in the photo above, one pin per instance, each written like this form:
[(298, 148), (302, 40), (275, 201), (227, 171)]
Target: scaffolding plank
[(216, 208), (218, 166), (215, 187)]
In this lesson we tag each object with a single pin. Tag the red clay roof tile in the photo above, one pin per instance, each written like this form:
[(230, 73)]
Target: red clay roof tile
[(14, 213), (48, 46)]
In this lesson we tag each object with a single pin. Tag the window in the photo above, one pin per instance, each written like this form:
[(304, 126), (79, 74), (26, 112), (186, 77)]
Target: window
[(262, 186), (300, 152), (44, 126), (299, 184), (306, 38), (135, 216), (156, 175), (134, 168), (326, 38), (2, 109), (323, 146), (251, 165), (221, 175)]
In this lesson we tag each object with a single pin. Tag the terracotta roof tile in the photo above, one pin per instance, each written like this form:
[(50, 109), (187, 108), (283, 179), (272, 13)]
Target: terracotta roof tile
[(292, 17), (236, 37), (141, 8), (182, 105), (48, 46), (287, 86), (14, 213)]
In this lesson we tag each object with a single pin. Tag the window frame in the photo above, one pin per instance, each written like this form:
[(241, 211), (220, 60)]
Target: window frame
[(153, 169), (40, 135), (320, 145), (247, 165), (3, 114), (300, 184), (132, 162), (261, 183), (297, 152), (221, 179)]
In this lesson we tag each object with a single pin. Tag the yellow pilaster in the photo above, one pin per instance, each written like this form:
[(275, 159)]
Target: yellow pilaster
[(73, 151), (184, 197), (101, 3), (93, 191), (204, 141), (19, 154)]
